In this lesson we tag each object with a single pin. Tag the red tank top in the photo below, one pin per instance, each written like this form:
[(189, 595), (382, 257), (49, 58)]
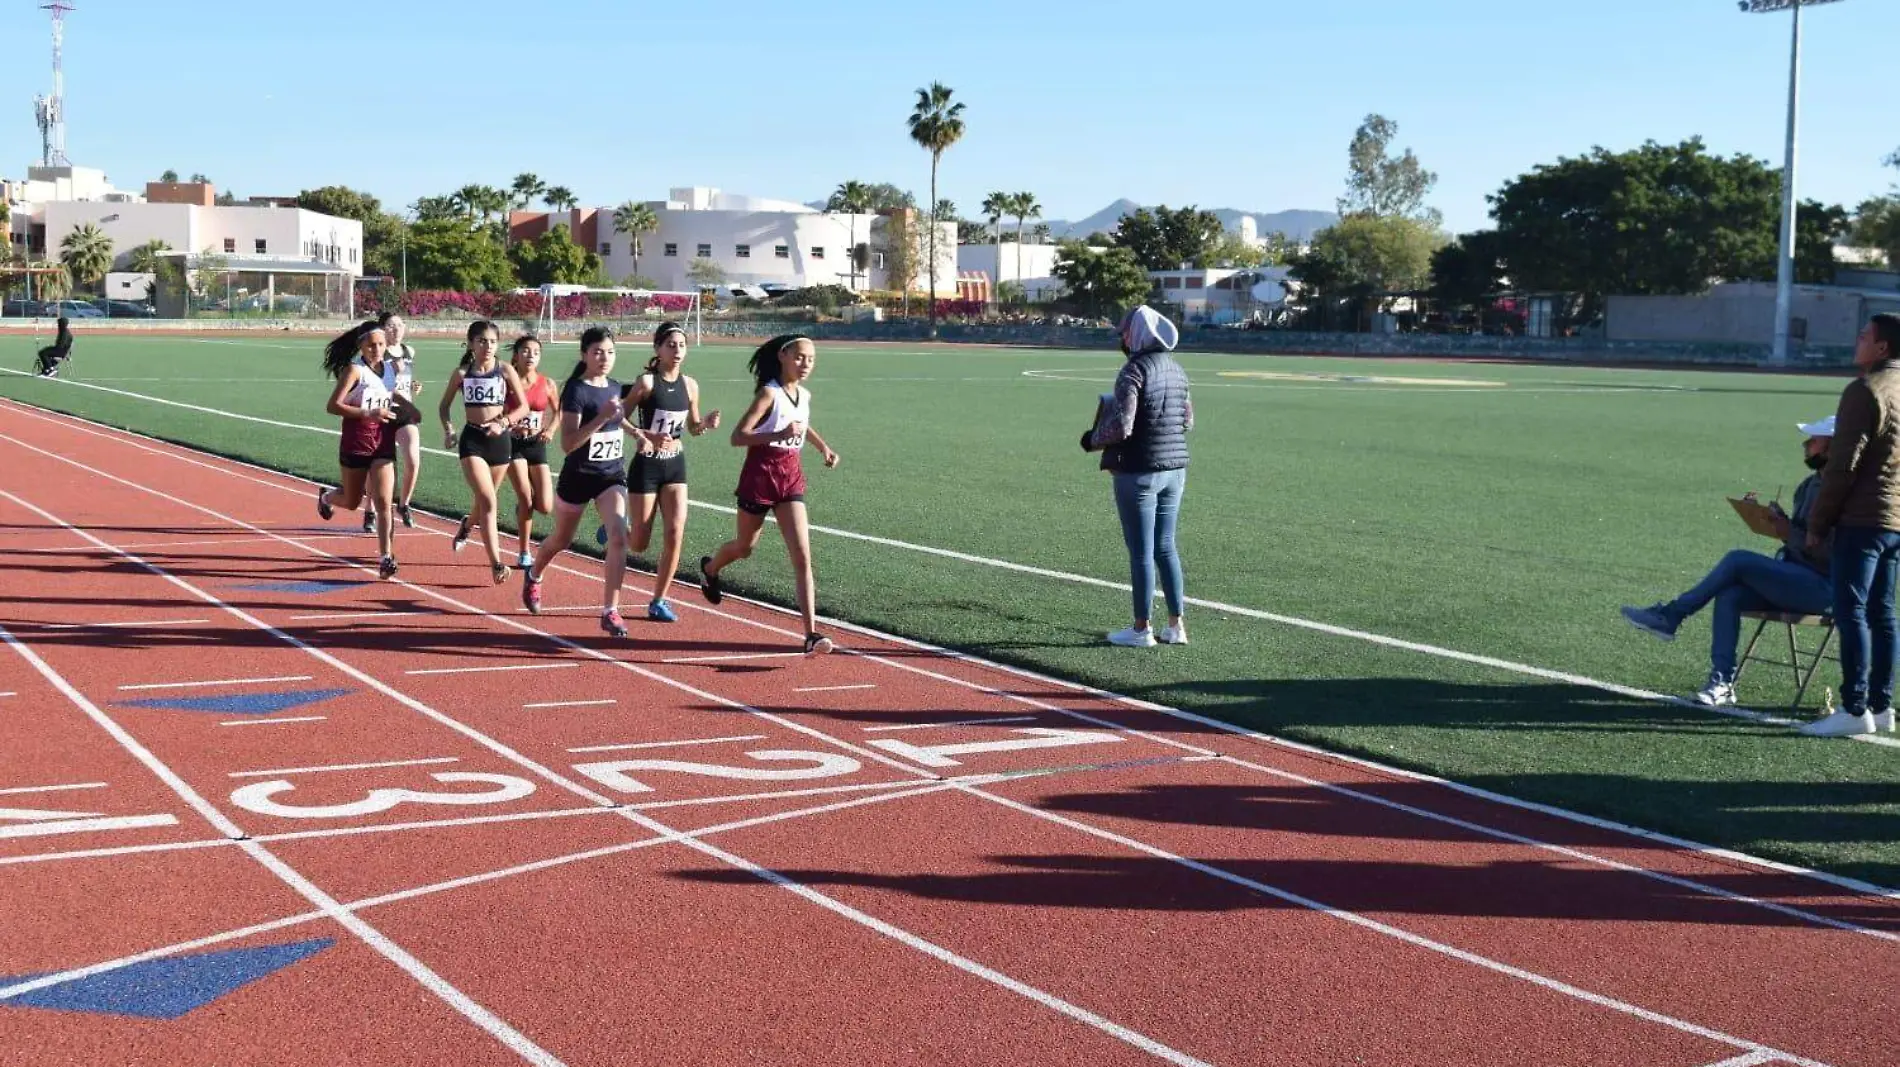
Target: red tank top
[(541, 394)]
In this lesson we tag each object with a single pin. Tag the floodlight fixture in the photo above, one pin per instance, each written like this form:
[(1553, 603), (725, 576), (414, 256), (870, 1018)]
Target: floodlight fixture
[(1784, 267)]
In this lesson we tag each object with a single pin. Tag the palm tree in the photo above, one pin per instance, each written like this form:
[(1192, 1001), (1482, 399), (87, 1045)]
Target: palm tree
[(87, 253), (527, 189), (852, 198), (1023, 206), (468, 200), (635, 219), (147, 258), (935, 124), (560, 198), (995, 206)]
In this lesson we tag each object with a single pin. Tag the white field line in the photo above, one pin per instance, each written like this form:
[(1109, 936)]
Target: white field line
[(991, 721), (434, 982), (141, 625), (369, 935), (275, 480), (16, 790), (491, 670), (571, 703), (281, 771), (669, 744), (735, 657), (338, 616), (904, 937), (833, 688), (1746, 1059), (218, 682), (5, 695), (162, 544), (274, 722)]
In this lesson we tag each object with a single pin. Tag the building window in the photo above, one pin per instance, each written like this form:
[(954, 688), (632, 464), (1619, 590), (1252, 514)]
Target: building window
[(781, 252), (260, 246), (742, 251), (606, 248), (230, 244), (817, 253), (352, 255), (671, 249), (877, 261), (1170, 283), (704, 252), (1198, 281)]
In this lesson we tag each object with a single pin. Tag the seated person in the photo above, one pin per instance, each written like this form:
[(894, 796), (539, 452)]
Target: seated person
[(1792, 580), (56, 353)]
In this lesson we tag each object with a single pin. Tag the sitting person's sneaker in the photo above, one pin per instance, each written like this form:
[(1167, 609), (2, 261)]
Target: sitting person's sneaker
[(661, 611), (1719, 693), (611, 624), (1652, 620), (1132, 638), (1842, 723), (1883, 721)]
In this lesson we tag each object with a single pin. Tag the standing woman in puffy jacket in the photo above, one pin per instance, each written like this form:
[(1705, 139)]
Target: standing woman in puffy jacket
[(1141, 430)]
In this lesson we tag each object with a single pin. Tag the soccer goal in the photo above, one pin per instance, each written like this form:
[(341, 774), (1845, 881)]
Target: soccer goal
[(566, 310)]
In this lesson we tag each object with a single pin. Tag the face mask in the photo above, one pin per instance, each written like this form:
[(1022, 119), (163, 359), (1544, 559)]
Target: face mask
[(1815, 463)]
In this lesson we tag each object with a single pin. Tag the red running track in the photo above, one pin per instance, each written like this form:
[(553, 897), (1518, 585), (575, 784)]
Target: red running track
[(487, 837)]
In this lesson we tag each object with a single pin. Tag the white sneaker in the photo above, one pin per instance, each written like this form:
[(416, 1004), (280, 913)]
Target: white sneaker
[(1717, 694), (1883, 721), (1132, 638), (1172, 635), (1842, 723)]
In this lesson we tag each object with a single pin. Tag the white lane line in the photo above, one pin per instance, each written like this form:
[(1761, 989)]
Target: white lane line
[(164, 544), (1746, 1059), (50, 788), (275, 480), (571, 703), (833, 688), (490, 670), (337, 616), (274, 722), (147, 624), (227, 468), (218, 682), (328, 905), (434, 982), (669, 744), (119, 850), (4, 695), (735, 657), (275, 772), (955, 722)]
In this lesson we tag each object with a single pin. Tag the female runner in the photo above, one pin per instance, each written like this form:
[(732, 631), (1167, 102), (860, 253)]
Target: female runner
[(528, 471), (667, 403), (370, 414), (491, 396)]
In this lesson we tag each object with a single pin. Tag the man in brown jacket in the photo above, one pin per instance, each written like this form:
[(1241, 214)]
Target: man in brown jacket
[(1860, 503)]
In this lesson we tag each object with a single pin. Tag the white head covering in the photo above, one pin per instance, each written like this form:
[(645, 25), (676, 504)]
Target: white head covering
[(1146, 330), (1824, 428)]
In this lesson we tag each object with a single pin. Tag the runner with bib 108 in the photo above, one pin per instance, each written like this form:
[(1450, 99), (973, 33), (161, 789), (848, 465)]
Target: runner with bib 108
[(594, 429)]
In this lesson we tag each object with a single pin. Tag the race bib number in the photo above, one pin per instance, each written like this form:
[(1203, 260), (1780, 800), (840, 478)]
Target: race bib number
[(375, 402), (607, 446), (672, 424), (531, 422), (794, 442), (484, 392)]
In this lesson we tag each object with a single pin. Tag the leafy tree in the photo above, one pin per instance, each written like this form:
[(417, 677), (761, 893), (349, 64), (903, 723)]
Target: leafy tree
[(852, 198), (436, 208), (209, 269), (1231, 251), (1877, 220), (382, 232), (1659, 219), (200, 178), (1468, 270), (638, 281), (706, 273), (1011, 294), (87, 254), (901, 240), (825, 299), (225, 199), (1378, 183), (935, 124), (454, 254), (1165, 238), (168, 176), (636, 220), (1101, 284), (527, 189), (1364, 256), (150, 258), (553, 257), (884, 196)]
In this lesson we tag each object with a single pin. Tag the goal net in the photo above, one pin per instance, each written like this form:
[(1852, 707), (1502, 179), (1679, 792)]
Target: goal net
[(566, 310)]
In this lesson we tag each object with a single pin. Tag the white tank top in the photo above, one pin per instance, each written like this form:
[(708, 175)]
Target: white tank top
[(399, 369), (783, 412), (369, 393)]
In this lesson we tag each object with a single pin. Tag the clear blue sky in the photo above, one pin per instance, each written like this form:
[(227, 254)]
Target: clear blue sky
[(1243, 105)]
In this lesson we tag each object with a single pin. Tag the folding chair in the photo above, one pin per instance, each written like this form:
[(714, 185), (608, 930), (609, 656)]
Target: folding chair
[(1802, 665)]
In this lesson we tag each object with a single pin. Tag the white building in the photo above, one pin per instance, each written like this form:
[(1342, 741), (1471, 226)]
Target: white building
[(1033, 265), (754, 241)]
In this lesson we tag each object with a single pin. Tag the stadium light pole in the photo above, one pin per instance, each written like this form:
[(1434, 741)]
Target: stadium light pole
[(1784, 267)]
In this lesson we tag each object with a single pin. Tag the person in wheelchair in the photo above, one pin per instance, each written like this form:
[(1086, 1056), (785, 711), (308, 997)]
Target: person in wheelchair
[(56, 353), (1794, 579)]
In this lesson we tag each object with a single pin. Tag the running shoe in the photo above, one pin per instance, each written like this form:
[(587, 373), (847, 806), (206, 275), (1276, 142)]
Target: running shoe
[(530, 592), (324, 510), (388, 568), (709, 582), (524, 560), (500, 572), (461, 535), (369, 522), (408, 517), (611, 624), (818, 645), (661, 611)]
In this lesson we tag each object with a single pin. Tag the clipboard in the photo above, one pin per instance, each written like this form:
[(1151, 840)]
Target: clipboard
[(1757, 516)]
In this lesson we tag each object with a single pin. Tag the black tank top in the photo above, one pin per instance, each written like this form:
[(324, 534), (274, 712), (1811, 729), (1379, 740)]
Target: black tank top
[(665, 408)]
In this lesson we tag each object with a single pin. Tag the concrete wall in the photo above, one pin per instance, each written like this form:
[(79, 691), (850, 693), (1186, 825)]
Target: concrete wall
[(1736, 313)]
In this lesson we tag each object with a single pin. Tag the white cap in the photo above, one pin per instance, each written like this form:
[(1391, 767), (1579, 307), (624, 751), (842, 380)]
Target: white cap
[(1824, 428)]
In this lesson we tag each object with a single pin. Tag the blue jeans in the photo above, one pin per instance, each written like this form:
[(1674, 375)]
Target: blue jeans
[(1150, 507), (1749, 581), (1864, 565)]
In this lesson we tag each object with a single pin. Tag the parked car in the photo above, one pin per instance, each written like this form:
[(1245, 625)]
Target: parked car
[(125, 309), (20, 308), (72, 309)]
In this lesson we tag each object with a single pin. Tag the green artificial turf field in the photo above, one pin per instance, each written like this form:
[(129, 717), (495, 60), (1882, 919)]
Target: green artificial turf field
[(1497, 511)]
